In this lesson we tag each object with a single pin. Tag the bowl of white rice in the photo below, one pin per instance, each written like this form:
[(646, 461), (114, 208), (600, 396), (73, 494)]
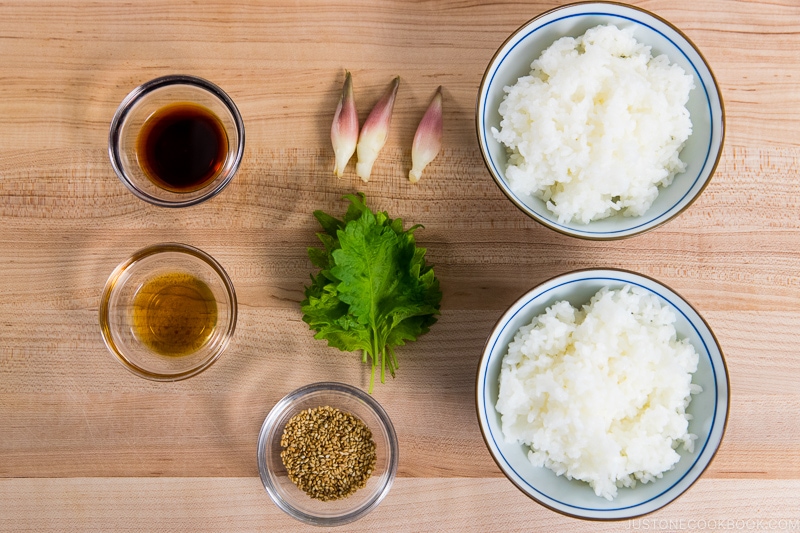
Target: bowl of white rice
[(599, 120), (602, 394)]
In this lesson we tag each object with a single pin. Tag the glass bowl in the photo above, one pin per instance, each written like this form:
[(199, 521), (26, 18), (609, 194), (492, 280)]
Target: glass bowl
[(174, 339), (297, 503), (151, 99)]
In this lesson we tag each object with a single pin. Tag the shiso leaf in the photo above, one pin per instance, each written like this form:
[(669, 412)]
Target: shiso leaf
[(375, 291)]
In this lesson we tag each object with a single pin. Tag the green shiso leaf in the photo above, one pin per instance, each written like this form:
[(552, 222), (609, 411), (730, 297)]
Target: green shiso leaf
[(374, 290)]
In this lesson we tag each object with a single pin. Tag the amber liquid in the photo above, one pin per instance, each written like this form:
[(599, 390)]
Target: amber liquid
[(174, 314), (182, 147)]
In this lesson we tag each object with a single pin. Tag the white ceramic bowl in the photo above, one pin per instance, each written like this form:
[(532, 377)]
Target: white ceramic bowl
[(701, 152), (575, 498)]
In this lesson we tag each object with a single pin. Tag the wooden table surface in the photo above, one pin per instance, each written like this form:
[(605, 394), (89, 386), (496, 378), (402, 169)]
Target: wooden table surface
[(85, 445)]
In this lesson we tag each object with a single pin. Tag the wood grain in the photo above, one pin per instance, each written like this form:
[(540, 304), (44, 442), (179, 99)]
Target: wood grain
[(84, 445), (212, 504)]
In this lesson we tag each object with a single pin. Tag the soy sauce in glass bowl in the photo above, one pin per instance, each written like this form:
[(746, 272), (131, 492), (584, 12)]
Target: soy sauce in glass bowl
[(176, 141)]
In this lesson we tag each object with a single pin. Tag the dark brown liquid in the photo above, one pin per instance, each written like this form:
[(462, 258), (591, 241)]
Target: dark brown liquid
[(182, 147), (174, 314)]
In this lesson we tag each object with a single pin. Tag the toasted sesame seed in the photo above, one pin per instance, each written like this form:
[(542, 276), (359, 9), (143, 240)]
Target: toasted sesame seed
[(328, 453)]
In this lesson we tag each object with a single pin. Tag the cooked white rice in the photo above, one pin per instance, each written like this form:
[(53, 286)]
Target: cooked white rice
[(597, 126), (600, 394)]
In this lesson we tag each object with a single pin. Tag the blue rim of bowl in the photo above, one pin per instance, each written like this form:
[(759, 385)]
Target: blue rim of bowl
[(146, 88), (503, 463), (111, 283), (480, 118), (281, 406)]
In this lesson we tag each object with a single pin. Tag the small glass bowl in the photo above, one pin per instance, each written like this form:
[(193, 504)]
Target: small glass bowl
[(117, 306), (294, 501), (153, 96)]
